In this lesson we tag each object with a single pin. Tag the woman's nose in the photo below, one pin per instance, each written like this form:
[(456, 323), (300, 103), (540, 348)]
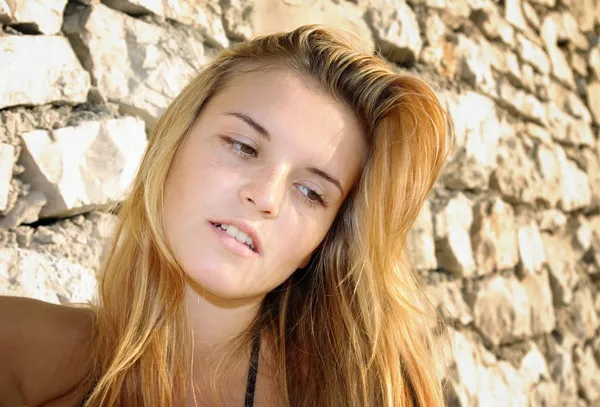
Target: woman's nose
[(265, 190)]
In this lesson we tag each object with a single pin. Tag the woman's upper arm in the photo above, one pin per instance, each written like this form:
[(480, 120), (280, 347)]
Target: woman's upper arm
[(42, 349)]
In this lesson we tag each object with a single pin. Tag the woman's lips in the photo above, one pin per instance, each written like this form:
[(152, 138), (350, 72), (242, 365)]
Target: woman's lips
[(234, 245)]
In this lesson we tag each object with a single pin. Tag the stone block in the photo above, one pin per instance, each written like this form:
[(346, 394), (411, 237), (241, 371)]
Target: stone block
[(83, 167), (43, 69), (139, 66)]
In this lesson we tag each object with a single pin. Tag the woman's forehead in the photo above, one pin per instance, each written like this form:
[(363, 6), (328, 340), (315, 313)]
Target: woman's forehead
[(283, 97)]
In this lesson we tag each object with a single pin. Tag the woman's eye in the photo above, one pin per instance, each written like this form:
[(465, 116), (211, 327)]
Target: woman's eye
[(240, 148), (312, 196)]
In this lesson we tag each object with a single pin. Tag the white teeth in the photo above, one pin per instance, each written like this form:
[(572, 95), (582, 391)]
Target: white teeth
[(232, 230), (240, 236)]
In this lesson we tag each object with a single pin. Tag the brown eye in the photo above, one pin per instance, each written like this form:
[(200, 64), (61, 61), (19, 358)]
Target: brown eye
[(311, 196), (241, 149)]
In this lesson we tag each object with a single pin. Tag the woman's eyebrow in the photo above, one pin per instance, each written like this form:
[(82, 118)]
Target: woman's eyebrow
[(252, 123), (265, 134), (327, 177)]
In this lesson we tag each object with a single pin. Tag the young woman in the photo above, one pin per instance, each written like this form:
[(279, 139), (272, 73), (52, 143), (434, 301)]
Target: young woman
[(260, 257)]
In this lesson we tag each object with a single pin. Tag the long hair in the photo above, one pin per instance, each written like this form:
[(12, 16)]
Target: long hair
[(353, 328)]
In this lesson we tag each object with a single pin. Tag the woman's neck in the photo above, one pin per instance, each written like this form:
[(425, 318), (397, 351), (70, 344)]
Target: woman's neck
[(215, 321)]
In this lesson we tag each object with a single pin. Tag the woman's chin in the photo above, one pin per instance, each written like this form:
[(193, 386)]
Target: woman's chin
[(216, 282)]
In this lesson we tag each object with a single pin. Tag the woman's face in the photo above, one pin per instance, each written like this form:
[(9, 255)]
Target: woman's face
[(272, 156)]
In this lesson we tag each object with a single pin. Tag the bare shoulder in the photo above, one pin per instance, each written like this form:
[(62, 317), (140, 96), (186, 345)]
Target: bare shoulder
[(43, 347)]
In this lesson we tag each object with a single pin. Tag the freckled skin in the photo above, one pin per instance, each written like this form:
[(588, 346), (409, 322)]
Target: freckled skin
[(224, 169)]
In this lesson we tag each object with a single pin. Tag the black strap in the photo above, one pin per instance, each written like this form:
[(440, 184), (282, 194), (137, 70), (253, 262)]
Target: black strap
[(251, 385)]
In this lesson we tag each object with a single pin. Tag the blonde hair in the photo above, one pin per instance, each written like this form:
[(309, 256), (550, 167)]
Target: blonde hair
[(351, 329)]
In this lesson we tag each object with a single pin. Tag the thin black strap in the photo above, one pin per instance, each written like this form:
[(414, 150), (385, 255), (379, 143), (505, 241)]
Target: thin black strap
[(251, 385)]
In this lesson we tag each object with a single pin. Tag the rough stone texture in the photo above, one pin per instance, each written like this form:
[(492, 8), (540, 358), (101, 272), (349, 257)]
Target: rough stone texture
[(514, 14), (576, 107), (479, 379), (569, 30), (547, 3), (45, 277), (593, 98), (538, 133), (582, 233), (205, 15), (586, 12), (508, 63), (533, 53), (544, 393), (519, 179), (531, 15), (596, 348), (452, 221), (567, 129), (435, 32), (501, 310), (55, 263), (55, 77), (475, 153), (278, 15), (588, 373), (533, 367), (530, 247), (580, 317), (26, 210), (493, 26), (449, 301), (14, 190), (561, 263), (591, 258), (16, 121), (149, 64), (539, 293), (474, 64), (82, 167), (7, 154), (594, 61), (493, 235), (237, 25), (41, 16), (576, 190), (551, 220), (560, 67), (5, 12), (578, 63), (395, 30), (521, 102), (562, 371)]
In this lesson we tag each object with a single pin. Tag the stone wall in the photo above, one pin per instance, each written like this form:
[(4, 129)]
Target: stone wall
[(508, 243)]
